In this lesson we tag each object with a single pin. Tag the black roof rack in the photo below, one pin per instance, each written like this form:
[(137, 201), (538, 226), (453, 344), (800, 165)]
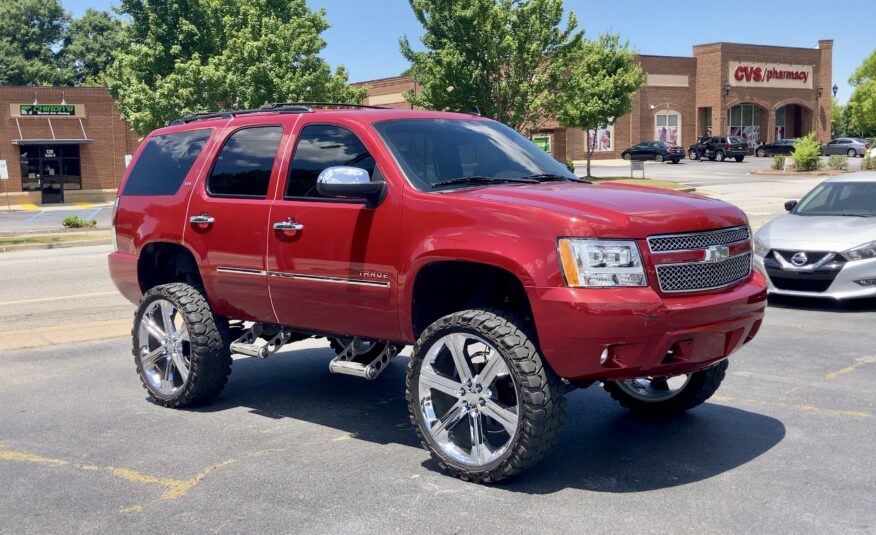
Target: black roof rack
[(340, 105), (204, 115)]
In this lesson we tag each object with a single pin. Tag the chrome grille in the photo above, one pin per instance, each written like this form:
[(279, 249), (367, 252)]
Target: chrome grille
[(698, 240), (703, 275)]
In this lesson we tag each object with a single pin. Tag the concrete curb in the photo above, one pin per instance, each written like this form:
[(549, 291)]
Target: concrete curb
[(64, 334), (58, 245)]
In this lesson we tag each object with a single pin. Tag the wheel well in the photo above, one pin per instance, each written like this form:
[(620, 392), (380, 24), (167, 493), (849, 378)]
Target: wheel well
[(442, 288), (163, 263)]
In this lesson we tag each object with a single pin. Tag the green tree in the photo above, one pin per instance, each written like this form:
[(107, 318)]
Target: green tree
[(838, 119), (90, 46), (31, 32), (862, 104), (504, 57), (603, 77), (193, 55)]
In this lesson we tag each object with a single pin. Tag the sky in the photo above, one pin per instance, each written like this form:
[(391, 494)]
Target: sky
[(364, 33)]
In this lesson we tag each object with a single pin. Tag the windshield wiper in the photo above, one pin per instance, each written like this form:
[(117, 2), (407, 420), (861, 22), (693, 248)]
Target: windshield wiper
[(545, 177), (483, 180)]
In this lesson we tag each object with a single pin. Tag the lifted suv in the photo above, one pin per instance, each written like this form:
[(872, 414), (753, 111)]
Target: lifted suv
[(514, 281)]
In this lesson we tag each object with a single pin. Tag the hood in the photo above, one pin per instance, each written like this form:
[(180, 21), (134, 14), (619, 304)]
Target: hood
[(817, 233), (618, 210)]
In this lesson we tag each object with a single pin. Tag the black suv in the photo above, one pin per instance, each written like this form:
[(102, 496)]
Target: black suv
[(719, 148)]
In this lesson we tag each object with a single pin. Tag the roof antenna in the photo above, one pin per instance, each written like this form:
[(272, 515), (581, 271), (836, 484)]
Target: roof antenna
[(476, 111)]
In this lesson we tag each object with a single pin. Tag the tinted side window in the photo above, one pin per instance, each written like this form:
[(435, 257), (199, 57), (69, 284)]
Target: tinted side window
[(165, 162), (243, 167), (321, 146)]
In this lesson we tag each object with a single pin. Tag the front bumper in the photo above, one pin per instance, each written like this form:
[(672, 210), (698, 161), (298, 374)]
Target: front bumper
[(842, 287), (646, 334)]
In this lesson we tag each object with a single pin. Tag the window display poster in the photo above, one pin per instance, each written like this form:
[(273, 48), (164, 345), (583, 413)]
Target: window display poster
[(600, 139)]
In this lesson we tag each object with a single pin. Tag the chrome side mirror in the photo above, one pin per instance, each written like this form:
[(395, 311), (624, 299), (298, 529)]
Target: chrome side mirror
[(344, 182)]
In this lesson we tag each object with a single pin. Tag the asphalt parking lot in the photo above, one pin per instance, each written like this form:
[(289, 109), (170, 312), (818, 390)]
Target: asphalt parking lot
[(785, 446)]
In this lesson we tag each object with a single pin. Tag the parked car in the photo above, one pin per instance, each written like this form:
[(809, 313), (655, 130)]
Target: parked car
[(699, 144), (515, 282), (720, 148), (781, 146), (848, 146), (654, 150), (826, 245)]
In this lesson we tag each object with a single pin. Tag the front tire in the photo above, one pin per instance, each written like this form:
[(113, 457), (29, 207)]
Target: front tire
[(480, 397), (761, 153), (852, 153), (693, 155), (180, 348), (665, 397), (658, 158), (627, 156)]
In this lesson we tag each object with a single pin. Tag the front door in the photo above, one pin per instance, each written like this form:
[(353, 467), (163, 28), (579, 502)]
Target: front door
[(227, 220), (51, 181), (334, 271)]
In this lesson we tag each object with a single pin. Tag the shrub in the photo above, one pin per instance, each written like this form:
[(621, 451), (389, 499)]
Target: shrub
[(570, 165), (806, 153), (778, 162), (869, 163), (838, 162), (74, 221)]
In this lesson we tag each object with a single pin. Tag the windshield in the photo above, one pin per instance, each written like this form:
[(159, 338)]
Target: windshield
[(840, 198), (433, 151)]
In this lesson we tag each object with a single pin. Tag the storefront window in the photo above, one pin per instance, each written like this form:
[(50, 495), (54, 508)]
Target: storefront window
[(50, 164), (745, 123), (667, 126), (780, 123), (602, 139), (542, 142)]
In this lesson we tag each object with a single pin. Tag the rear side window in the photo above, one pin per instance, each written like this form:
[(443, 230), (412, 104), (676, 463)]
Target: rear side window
[(243, 167), (321, 146), (164, 163)]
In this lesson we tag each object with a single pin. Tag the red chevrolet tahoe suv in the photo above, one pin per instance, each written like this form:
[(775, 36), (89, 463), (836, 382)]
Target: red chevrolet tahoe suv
[(515, 281)]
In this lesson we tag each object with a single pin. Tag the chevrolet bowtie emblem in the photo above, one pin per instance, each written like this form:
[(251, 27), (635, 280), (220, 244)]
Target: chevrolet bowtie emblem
[(717, 253)]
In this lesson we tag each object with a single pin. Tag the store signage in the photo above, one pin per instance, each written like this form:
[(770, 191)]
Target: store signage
[(749, 74), (542, 142), (4, 170), (48, 109)]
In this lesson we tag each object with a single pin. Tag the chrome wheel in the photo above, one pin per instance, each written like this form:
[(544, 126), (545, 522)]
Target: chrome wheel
[(164, 348), (654, 389), (468, 399)]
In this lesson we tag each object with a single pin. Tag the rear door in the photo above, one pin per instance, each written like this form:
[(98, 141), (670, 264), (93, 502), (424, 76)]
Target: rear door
[(336, 271), (227, 218)]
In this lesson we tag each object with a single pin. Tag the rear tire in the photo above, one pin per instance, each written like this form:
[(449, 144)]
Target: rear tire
[(476, 373), (719, 156), (651, 397), (658, 158), (180, 348), (852, 153), (739, 158), (761, 153), (674, 161)]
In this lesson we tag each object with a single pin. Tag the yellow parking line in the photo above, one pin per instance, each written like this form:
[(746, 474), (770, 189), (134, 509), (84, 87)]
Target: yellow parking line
[(849, 369), (29, 207), (84, 204), (798, 406)]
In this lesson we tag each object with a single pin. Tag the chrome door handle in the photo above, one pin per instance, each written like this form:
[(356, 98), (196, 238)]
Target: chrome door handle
[(202, 219), (289, 224)]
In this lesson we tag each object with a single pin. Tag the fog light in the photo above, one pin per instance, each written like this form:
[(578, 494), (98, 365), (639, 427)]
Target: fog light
[(869, 283), (603, 358)]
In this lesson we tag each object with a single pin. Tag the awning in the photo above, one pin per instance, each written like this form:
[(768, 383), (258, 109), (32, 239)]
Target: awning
[(64, 133), (51, 141)]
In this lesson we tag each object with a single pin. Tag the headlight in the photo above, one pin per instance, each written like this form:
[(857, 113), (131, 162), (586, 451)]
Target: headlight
[(760, 248), (601, 263), (861, 252)]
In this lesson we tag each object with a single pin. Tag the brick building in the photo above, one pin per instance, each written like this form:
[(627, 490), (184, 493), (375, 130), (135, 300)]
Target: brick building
[(62, 144), (762, 93)]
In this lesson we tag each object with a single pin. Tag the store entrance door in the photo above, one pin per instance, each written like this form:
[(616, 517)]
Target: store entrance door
[(51, 182)]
